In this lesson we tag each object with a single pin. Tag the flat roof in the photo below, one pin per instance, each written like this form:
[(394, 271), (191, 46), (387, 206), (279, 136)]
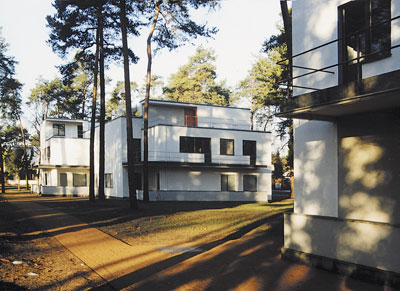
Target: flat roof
[(190, 104)]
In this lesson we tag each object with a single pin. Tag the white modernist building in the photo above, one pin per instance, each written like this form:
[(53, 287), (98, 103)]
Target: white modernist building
[(196, 152), (346, 111)]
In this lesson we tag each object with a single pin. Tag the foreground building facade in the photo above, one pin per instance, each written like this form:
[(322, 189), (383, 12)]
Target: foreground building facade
[(196, 152), (346, 112)]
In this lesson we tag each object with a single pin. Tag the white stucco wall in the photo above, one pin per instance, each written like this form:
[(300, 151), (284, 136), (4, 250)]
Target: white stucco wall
[(207, 116), (315, 23), (315, 168), (164, 141), (68, 151)]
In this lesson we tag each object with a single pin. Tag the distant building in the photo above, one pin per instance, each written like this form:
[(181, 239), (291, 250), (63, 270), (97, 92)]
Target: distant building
[(196, 152), (346, 113)]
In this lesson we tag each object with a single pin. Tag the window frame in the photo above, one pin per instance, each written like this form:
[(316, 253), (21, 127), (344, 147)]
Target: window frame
[(108, 180), (74, 180), (79, 128), (194, 145), (226, 183), (58, 129), (372, 35), (223, 145), (66, 180), (246, 183)]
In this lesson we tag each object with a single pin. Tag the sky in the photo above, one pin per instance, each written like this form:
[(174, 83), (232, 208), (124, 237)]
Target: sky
[(243, 26)]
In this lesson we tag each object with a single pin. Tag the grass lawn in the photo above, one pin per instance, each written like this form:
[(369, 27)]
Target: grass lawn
[(194, 222)]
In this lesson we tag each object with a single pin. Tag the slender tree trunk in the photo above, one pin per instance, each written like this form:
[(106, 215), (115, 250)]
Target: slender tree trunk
[(128, 106), (93, 123), (146, 108), (25, 157), (3, 185), (102, 113)]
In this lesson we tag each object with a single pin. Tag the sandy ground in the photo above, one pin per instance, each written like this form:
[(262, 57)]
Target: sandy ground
[(42, 248)]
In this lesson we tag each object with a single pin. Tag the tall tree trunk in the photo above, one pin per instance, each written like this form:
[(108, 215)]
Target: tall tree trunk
[(128, 106), (102, 113), (146, 108), (2, 181), (287, 22), (25, 157), (93, 122)]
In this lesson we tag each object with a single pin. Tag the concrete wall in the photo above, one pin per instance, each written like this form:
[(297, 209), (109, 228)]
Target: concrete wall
[(207, 116), (369, 158), (164, 141), (205, 196), (183, 179), (315, 23), (68, 151), (370, 244), (56, 190), (315, 168)]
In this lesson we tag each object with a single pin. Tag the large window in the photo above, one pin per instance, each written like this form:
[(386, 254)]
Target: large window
[(63, 180), (250, 183), (108, 180), (79, 180), (364, 30), (228, 182), (80, 131), (195, 145), (227, 147), (250, 149), (58, 129), (137, 149)]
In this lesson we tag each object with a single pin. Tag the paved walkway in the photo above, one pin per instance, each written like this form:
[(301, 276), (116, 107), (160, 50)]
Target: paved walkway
[(249, 261)]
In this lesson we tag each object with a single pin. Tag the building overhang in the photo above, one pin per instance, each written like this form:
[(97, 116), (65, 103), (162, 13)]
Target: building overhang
[(371, 94), (200, 165), (61, 166)]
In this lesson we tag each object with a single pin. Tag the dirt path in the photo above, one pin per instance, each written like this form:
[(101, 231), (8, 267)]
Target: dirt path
[(246, 260)]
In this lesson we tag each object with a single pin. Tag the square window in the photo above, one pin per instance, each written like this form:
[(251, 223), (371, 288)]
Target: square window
[(79, 180), (250, 183), (228, 182), (58, 129), (227, 147)]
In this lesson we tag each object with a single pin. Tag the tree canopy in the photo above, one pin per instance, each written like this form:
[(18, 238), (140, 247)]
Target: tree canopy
[(196, 81)]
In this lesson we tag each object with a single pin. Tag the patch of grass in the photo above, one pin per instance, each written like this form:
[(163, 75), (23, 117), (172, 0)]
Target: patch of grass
[(200, 225)]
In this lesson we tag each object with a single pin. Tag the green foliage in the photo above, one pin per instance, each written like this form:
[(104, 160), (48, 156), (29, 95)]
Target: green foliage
[(10, 88), (196, 81), (115, 106), (177, 27), (56, 99), (17, 162)]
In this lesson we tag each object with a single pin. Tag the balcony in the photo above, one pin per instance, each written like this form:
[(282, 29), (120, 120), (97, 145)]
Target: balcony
[(200, 158), (372, 85), (202, 122), (66, 151)]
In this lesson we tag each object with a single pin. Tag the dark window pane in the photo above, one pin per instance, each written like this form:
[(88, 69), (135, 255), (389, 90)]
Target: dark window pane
[(228, 182), (63, 179), (79, 180), (381, 27), (186, 144), (59, 129), (226, 147), (80, 131), (250, 183), (202, 145), (137, 149)]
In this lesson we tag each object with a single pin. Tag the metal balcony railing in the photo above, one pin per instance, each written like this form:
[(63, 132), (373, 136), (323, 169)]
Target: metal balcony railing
[(358, 60)]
